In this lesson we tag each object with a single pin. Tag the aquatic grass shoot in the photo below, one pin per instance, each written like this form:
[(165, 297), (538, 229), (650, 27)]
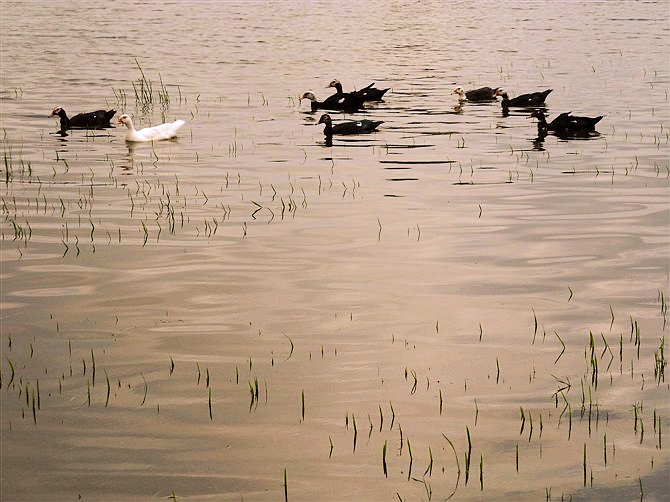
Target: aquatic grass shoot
[(429, 469), (517, 456), (144, 95), (411, 460), (660, 362), (108, 388), (353, 421), (481, 472), (146, 390), (468, 456), (302, 405), (209, 403)]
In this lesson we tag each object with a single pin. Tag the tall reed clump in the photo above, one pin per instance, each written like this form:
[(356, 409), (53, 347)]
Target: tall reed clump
[(144, 93)]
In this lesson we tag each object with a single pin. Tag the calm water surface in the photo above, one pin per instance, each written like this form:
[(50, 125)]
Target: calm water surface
[(451, 307)]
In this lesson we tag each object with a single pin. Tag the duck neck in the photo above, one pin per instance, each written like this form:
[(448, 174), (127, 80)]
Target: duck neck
[(328, 130), (338, 88), (64, 121)]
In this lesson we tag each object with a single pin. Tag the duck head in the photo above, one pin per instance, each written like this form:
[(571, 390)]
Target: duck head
[(57, 111), (336, 84), (308, 95), (325, 119), (460, 92), (125, 120)]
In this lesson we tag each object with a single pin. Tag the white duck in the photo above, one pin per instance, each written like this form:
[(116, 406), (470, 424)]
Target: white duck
[(155, 133)]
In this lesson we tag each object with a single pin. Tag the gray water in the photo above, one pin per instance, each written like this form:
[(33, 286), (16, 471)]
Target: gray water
[(246, 313)]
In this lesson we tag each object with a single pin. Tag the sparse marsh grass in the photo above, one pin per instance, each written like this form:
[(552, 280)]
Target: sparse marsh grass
[(173, 392)]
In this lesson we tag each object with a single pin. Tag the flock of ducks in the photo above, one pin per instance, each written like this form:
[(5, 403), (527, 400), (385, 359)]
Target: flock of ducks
[(564, 125)]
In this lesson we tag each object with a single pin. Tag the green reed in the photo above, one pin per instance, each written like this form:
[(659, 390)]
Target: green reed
[(146, 390), (429, 469), (9, 172), (664, 304), (93, 368), (468, 456), (660, 362), (209, 403), (481, 472), (302, 405), (109, 388), (517, 456), (353, 421), (33, 407), (143, 90), (411, 460), (562, 345)]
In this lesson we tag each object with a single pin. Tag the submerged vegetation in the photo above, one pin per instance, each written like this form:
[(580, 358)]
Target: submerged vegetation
[(572, 418)]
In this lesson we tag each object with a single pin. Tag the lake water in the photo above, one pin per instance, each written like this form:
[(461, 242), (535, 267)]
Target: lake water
[(447, 308)]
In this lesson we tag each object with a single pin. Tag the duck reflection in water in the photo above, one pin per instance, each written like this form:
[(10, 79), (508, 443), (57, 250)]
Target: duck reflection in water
[(538, 142), (144, 152)]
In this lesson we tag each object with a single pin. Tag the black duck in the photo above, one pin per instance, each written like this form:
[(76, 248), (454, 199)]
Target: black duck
[(99, 119), (524, 100), (340, 102), (351, 127), (368, 93), (565, 124)]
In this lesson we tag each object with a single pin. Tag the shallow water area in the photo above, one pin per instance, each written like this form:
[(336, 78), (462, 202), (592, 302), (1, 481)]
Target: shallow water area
[(450, 308)]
